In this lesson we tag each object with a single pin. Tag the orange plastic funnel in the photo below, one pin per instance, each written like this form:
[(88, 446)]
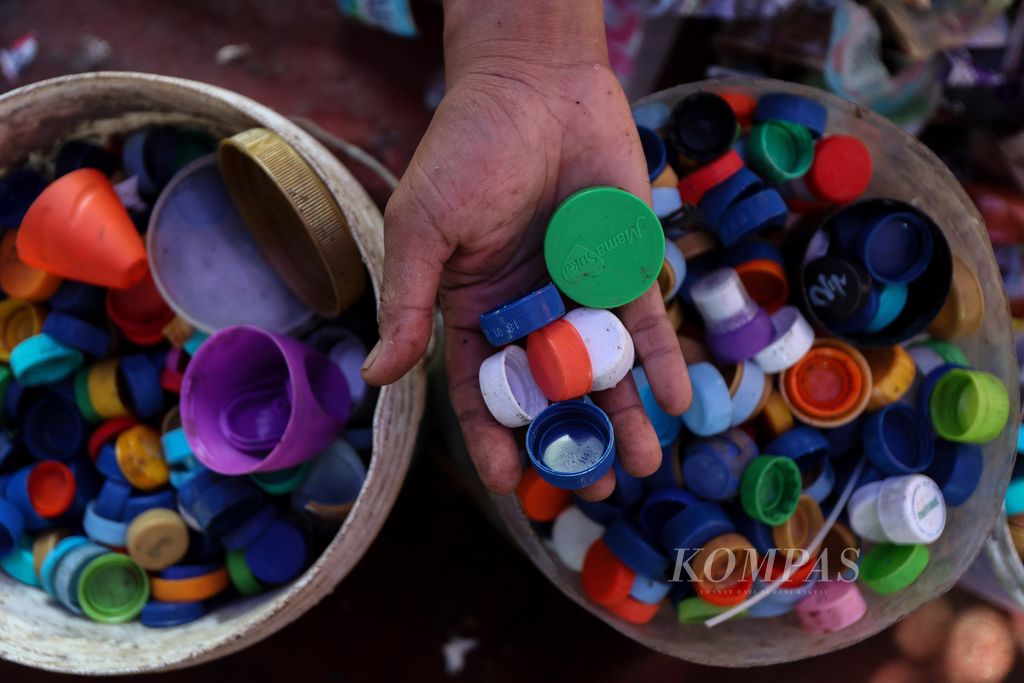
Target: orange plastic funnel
[(78, 229)]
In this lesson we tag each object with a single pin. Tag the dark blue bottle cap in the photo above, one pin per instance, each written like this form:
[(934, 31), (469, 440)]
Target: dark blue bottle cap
[(898, 440), (251, 529), (202, 549), (360, 439), (702, 127), (53, 428), (654, 151), (516, 319), (927, 386), (183, 571), (957, 469), (157, 614), (799, 442), (77, 333), (862, 317), (760, 211), (835, 287), (751, 250), (796, 109), (668, 473), (110, 502), (8, 446), (844, 439), (133, 158), (12, 400), (629, 490), (819, 477), (77, 154), (141, 381), (599, 511), (712, 467), (190, 491), (694, 526), (138, 504), (719, 198), (896, 247), (161, 152), (571, 444), (18, 495), (87, 487), (661, 506), (12, 526), (17, 192), (278, 555), (680, 590), (225, 506), (758, 533), (106, 463), (629, 545), (79, 299)]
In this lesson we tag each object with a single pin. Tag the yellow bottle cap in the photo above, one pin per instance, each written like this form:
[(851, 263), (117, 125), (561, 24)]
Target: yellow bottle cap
[(178, 331), (965, 304), (776, 418), (19, 320), (157, 538), (20, 280), (44, 543), (141, 457), (892, 373), (695, 243), (297, 224), (104, 393), (667, 178)]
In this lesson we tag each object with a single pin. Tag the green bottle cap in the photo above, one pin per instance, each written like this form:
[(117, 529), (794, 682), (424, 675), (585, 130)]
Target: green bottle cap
[(282, 482), (113, 589), (948, 351), (85, 406), (604, 247), (5, 381), (770, 489), (694, 610), (888, 568), (241, 576), (969, 406), (780, 151)]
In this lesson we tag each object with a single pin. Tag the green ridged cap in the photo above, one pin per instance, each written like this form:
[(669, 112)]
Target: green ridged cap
[(282, 482), (82, 400), (696, 611), (770, 489), (969, 406), (888, 568), (780, 151), (241, 576), (948, 351), (113, 589)]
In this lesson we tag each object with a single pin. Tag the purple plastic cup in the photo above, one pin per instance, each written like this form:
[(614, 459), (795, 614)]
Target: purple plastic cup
[(243, 385)]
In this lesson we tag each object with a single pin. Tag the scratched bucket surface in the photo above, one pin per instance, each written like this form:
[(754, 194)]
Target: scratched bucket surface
[(904, 169), (34, 630)]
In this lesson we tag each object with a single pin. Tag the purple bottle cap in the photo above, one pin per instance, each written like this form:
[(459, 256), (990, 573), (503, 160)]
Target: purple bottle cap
[(224, 367), (254, 419)]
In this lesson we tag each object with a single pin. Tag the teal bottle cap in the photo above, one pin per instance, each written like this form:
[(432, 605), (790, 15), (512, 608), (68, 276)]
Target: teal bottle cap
[(780, 151), (604, 247)]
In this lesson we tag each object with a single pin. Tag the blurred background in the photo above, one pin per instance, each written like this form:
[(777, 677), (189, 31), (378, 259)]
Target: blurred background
[(442, 595)]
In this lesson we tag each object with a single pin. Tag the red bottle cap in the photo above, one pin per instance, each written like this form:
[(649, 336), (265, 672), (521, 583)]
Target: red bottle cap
[(51, 488), (841, 171)]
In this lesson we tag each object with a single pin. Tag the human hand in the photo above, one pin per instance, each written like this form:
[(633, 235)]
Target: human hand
[(506, 146)]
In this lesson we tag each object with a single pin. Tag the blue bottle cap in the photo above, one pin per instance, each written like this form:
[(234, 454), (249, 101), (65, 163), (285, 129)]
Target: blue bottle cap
[(41, 359), (203, 549), (680, 590), (891, 301), (599, 511), (79, 299), (629, 545), (335, 477), (8, 446), (924, 391), (67, 573), (106, 463), (18, 495), (360, 439), (226, 505), (668, 474), (251, 529), (719, 198), (629, 490), (54, 558), (800, 442), (758, 533), (78, 154), (110, 503), (141, 382), (821, 476), (53, 428), (20, 565), (17, 192), (750, 250), (133, 158), (77, 333), (190, 491), (179, 572), (653, 115), (158, 614), (12, 400), (760, 211), (571, 444), (694, 526), (519, 318), (712, 467), (796, 109), (895, 247), (138, 504), (108, 532), (781, 601), (661, 506), (654, 151), (862, 317), (666, 426), (176, 448), (649, 591), (845, 438), (278, 555), (87, 485), (898, 440), (957, 469), (180, 477), (711, 410), (12, 526)]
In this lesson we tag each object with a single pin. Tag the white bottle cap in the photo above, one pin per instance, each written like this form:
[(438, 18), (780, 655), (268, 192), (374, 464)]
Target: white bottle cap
[(722, 300), (665, 200), (572, 534), (509, 390), (911, 509), (793, 339), (608, 343), (675, 260), (862, 511)]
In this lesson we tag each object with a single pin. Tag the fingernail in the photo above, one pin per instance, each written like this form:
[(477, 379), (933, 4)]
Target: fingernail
[(371, 358)]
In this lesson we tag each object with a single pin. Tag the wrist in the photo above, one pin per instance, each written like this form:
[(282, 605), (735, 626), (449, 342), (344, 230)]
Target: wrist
[(523, 36)]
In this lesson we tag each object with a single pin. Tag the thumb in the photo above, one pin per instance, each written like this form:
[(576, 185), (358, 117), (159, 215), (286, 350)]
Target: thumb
[(414, 255)]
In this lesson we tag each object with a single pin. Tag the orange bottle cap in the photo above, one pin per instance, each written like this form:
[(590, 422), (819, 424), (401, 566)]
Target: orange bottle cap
[(829, 386), (724, 568), (776, 418), (559, 361), (192, 589), (892, 373), (634, 611), (606, 581), (22, 281), (51, 488), (742, 106), (19, 320), (541, 501), (140, 311), (693, 186), (775, 570), (78, 229), (766, 282)]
